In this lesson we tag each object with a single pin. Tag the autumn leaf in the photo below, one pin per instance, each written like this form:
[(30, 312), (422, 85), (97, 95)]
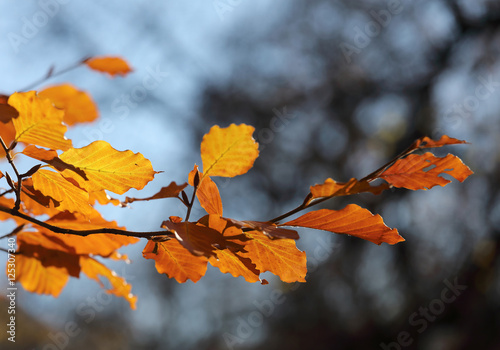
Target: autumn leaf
[(39, 122), (279, 256), (268, 228), (51, 157), (77, 105), (172, 259), (119, 287), (110, 65), (421, 172), (197, 239), (352, 220), (7, 112), (231, 262), (103, 198), (8, 134), (44, 271), (207, 193), (171, 191), (228, 260), (69, 196), (228, 151), (35, 202), (108, 169), (427, 142), (332, 188)]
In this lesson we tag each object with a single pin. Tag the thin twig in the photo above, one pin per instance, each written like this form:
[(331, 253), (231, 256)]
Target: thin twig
[(19, 177), (51, 74), (84, 233)]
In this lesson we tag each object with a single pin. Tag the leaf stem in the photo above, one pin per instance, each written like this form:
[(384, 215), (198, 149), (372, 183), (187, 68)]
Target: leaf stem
[(51, 74)]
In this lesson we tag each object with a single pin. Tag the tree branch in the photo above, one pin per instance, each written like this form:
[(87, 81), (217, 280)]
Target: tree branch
[(58, 229)]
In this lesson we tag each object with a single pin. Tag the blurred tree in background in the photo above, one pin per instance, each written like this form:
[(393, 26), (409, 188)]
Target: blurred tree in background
[(334, 89)]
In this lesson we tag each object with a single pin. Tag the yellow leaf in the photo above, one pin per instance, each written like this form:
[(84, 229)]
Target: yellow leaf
[(119, 287), (108, 169), (69, 196), (44, 271), (77, 105), (39, 122), (229, 151)]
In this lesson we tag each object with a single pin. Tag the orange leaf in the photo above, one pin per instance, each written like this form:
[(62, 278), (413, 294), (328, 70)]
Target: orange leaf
[(331, 188), (69, 196), (172, 259), (51, 157), (35, 202), (421, 172), (207, 193), (171, 191), (119, 287), (77, 105), (279, 256), (109, 169), (7, 113), (103, 198), (228, 151), (268, 228), (8, 134), (352, 220), (44, 271), (39, 122), (426, 142), (230, 262), (110, 65), (199, 240)]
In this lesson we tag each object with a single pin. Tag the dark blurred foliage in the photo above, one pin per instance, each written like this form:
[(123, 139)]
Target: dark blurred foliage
[(347, 113), (334, 89)]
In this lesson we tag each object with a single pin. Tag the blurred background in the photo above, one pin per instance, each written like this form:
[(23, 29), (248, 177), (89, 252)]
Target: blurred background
[(334, 89)]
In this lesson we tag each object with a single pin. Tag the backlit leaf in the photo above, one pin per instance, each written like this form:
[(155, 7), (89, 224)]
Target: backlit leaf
[(109, 169), (228, 151), (197, 239), (119, 287), (279, 256), (44, 271), (207, 193), (69, 196), (352, 220), (51, 157), (331, 188), (110, 65), (172, 259), (421, 172), (77, 105), (39, 122)]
